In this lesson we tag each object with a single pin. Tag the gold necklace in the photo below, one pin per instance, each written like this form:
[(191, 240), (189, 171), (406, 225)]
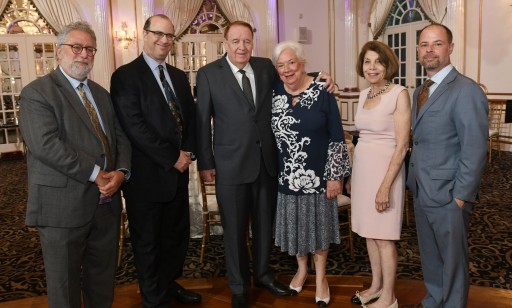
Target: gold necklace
[(370, 96)]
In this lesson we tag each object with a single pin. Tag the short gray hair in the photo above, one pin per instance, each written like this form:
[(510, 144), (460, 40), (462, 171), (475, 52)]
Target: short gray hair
[(292, 45), (77, 25)]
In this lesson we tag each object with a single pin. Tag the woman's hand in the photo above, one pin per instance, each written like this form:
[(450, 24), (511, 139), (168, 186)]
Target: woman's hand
[(348, 185), (333, 189), (382, 199)]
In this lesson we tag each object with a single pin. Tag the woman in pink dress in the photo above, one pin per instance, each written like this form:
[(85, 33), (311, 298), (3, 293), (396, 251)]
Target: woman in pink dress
[(377, 185)]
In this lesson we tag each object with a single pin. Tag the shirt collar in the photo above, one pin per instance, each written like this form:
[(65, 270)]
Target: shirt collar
[(247, 68), (74, 82), (439, 76), (153, 64)]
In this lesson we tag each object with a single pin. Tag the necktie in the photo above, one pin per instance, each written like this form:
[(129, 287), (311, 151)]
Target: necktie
[(171, 100), (246, 87), (423, 96), (93, 116)]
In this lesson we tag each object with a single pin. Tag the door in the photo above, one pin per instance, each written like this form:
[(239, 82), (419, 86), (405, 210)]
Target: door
[(403, 40), (23, 58)]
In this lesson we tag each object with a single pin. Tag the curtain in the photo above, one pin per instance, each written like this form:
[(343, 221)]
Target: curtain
[(3, 4), (57, 13), (182, 13), (235, 10), (378, 16), (435, 9)]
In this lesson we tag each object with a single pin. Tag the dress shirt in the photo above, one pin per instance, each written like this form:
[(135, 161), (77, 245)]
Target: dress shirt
[(248, 72), (438, 78)]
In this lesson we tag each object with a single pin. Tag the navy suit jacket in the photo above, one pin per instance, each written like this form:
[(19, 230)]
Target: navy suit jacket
[(143, 112)]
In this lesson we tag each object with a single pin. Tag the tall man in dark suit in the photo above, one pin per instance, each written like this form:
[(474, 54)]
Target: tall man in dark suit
[(236, 91), (154, 105), (78, 156), (450, 132)]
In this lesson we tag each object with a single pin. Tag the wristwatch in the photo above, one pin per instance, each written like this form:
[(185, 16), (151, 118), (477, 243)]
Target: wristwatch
[(126, 174)]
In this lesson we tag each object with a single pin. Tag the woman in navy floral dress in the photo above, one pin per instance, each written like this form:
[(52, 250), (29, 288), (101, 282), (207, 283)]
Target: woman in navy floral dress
[(313, 159)]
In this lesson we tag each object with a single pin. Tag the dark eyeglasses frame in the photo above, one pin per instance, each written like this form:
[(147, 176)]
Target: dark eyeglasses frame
[(77, 49), (159, 34)]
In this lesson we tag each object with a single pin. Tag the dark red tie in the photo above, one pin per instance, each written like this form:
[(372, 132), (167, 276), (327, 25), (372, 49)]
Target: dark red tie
[(423, 96)]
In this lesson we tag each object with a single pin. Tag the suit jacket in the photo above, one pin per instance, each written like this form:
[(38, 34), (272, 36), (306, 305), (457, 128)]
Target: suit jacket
[(143, 112), (63, 148), (450, 136), (241, 132)]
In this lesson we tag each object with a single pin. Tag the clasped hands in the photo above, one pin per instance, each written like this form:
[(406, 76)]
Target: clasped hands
[(109, 182)]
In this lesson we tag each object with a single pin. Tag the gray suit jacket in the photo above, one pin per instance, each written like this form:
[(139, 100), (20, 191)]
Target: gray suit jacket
[(450, 136), (63, 148), (241, 132)]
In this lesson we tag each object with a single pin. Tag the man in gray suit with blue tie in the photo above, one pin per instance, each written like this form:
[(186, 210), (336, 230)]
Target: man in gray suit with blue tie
[(78, 157), (450, 132)]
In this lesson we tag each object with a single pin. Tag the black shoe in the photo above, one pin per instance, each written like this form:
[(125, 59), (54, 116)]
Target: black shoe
[(239, 301), (187, 297), (275, 287), (355, 300)]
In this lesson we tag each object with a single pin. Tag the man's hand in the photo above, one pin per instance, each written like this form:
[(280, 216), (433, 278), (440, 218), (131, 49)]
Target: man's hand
[(183, 161), (328, 81), (333, 189), (208, 175), (112, 180), (459, 202)]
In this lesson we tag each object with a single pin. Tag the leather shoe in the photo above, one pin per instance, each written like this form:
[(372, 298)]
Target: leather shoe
[(187, 297), (275, 287), (239, 301)]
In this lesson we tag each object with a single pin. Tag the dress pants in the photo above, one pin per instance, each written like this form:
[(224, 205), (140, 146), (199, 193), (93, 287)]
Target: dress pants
[(160, 234), (239, 205), (443, 243), (82, 261)]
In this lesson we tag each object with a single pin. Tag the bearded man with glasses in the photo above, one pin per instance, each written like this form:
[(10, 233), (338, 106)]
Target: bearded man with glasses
[(154, 103), (78, 157)]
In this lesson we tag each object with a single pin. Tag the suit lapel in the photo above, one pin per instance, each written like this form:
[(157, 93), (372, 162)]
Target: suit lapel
[(233, 82), (258, 76), (443, 86), (72, 97)]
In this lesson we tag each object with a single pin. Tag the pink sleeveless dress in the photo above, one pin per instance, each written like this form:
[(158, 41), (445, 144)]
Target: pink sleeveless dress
[(373, 152)]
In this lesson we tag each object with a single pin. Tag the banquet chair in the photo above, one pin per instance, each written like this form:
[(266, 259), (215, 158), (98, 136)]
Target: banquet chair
[(496, 109), (123, 232), (211, 214), (344, 203)]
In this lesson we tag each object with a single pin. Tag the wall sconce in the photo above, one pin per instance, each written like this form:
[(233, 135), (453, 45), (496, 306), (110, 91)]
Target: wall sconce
[(124, 38)]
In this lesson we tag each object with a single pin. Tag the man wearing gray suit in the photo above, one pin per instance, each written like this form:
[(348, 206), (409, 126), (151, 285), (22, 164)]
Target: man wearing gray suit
[(450, 132), (78, 156)]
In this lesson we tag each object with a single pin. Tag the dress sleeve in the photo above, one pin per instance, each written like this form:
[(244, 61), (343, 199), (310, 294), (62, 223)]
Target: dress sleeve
[(338, 164)]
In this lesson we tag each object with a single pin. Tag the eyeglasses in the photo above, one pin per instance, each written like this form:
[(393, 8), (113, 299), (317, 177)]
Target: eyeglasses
[(77, 49), (169, 36)]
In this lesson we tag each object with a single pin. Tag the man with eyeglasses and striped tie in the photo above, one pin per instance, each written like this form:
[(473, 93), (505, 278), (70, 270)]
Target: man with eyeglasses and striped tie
[(154, 103), (78, 157)]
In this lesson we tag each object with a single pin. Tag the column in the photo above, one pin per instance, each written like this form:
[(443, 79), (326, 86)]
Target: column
[(271, 26), (104, 59), (350, 52), (455, 21), (147, 10)]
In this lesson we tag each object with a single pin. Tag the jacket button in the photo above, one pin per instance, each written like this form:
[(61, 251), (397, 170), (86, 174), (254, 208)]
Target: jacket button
[(415, 142), (258, 142)]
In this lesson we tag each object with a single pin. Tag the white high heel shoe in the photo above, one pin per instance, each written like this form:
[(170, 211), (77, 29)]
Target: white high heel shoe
[(296, 290), (323, 302)]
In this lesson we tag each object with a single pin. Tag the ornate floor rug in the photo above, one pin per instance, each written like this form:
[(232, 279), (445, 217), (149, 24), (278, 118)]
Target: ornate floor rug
[(490, 243)]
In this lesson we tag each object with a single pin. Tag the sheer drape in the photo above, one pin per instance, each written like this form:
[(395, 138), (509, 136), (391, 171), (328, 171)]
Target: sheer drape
[(57, 13), (182, 13), (378, 16), (235, 10), (3, 4), (435, 9)]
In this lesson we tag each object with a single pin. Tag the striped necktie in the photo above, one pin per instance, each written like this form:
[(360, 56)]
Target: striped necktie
[(93, 116)]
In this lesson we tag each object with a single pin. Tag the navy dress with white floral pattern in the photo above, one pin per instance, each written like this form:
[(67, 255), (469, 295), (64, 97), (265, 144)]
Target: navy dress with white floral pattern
[(312, 150)]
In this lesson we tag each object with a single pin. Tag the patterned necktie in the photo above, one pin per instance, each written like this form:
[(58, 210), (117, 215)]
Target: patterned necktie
[(93, 116), (423, 96), (246, 87), (171, 100)]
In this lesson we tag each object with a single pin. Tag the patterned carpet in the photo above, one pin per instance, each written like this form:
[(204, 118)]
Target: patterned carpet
[(22, 270)]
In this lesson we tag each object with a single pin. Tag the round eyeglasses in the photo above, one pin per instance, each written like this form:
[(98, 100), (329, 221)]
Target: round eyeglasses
[(77, 49)]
